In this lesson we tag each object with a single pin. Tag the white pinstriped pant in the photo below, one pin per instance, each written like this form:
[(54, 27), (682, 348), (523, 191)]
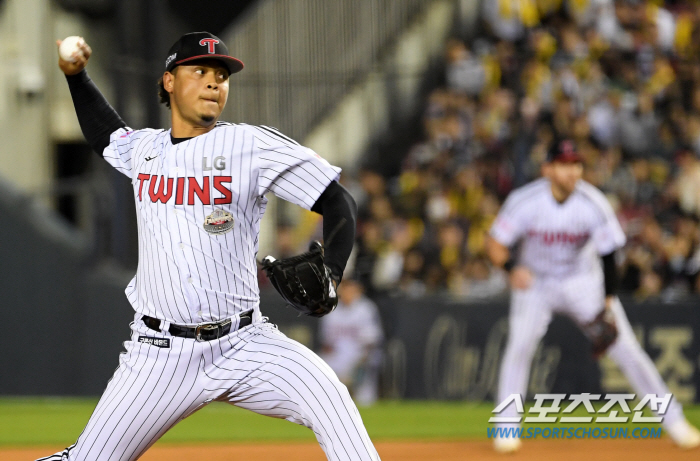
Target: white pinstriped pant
[(257, 368), (581, 297)]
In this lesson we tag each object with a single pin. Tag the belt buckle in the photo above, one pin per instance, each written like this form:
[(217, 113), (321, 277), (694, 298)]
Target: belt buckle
[(207, 327)]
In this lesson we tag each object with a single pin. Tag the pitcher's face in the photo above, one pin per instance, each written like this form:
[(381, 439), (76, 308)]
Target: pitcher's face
[(198, 92)]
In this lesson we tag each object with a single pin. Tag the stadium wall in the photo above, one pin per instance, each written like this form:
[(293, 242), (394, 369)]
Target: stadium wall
[(66, 320)]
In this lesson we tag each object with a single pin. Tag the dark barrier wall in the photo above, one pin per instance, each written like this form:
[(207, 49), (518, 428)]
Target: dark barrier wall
[(442, 350), (64, 321), (40, 266), (434, 349)]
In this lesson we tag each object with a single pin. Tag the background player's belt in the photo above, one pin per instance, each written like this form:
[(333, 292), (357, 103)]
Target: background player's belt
[(203, 332)]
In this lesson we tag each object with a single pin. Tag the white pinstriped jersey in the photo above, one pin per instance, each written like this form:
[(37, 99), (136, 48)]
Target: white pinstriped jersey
[(558, 239), (191, 271)]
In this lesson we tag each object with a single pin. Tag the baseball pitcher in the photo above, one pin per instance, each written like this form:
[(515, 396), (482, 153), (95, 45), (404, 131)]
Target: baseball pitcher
[(198, 335)]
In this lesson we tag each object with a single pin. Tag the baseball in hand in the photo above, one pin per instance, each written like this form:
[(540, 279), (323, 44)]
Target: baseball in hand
[(70, 48)]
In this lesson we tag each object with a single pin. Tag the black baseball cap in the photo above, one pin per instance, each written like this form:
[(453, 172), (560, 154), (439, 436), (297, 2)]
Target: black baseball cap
[(201, 45), (564, 151)]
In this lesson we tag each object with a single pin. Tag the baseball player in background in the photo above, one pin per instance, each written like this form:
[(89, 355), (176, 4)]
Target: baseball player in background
[(198, 335), (351, 342), (564, 227)]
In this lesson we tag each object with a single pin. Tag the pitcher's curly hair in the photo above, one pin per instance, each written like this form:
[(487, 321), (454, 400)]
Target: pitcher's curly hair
[(163, 95)]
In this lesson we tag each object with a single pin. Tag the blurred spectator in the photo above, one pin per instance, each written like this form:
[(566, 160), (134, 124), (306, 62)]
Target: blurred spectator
[(478, 280), (465, 73), (351, 341), (687, 184), (508, 19), (638, 126), (389, 263)]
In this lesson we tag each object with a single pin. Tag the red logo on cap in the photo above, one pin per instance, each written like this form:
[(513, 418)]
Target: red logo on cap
[(567, 148), (210, 42)]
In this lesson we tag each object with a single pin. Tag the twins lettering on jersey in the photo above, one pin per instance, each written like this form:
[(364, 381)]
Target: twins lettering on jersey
[(163, 189), (551, 237)]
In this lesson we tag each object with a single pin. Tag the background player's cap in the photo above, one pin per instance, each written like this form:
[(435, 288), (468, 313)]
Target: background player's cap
[(564, 151), (201, 45)]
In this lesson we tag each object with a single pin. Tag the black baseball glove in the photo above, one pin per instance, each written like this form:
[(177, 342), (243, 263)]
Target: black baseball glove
[(602, 332), (304, 281)]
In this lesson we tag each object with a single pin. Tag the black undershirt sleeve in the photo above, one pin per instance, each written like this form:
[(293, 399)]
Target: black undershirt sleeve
[(98, 120), (610, 273), (339, 212)]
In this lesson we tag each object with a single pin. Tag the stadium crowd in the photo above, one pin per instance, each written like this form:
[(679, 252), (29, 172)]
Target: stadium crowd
[(622, 78)]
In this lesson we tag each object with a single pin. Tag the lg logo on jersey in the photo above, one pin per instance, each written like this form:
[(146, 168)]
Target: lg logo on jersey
[(219, 163)]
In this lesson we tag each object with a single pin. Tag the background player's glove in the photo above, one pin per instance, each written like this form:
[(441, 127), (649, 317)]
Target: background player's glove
[(304, 281), (602, 332)]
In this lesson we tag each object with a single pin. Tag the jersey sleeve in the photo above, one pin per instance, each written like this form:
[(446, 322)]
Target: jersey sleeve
[(289, 170), (608, 235), (507, 228), (119, 150)]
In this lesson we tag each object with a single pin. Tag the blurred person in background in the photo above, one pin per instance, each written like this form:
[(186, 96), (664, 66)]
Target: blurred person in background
[(565, 227), (351, 342), (478, 280), (465, 73), (508, 19)]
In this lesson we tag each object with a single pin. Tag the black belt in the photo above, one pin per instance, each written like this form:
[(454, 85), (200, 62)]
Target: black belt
[(203, 332)]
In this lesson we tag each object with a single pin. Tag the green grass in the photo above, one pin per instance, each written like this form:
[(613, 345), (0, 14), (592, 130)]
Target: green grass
[(59, 421), (50, 421)]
